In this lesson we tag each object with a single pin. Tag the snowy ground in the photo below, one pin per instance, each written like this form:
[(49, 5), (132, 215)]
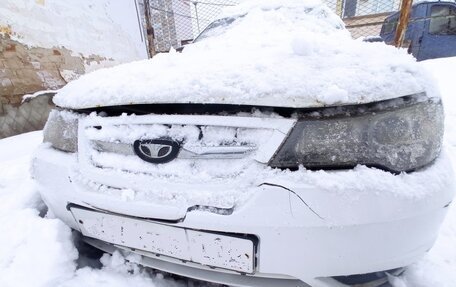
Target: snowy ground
[(438, 268), (40, 252)]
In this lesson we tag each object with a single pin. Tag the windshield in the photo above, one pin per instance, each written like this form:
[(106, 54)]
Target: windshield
[(216, 28)]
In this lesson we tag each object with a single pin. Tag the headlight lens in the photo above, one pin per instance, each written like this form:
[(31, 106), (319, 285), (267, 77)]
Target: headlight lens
[(61, 130), (397, 135)]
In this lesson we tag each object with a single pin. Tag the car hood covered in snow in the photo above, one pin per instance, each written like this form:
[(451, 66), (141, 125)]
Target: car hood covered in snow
[(287, 53)]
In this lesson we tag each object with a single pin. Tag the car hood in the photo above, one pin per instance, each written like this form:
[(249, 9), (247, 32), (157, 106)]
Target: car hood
[(288, 53)]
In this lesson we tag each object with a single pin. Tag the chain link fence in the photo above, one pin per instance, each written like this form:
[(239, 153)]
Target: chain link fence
[(175, 23), (364, 17)]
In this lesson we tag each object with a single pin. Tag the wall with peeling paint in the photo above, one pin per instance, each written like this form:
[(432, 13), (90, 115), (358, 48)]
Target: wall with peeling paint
[(44, 44), (107, 28), (25, 70)]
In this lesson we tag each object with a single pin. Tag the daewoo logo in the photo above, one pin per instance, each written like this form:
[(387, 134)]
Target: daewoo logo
[(156, 150)]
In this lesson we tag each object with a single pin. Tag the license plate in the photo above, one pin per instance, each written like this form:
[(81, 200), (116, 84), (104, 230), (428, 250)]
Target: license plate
[(206, 248)]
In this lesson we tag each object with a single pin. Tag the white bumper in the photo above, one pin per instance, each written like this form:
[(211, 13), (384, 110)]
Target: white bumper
[(305, 230)]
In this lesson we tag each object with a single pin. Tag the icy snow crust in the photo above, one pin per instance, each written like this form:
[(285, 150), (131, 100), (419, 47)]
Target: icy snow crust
[(234, 189), (276, 53), (220, 183)]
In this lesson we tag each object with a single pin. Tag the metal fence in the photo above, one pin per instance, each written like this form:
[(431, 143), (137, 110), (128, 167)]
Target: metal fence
[(177, 22), (174, 23), (363, 17)]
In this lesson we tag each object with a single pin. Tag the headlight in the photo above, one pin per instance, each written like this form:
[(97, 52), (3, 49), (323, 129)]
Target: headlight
[(397, 135), (61, 130)]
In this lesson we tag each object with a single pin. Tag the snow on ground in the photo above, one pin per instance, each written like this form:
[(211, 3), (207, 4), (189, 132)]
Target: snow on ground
[(438, 268), (40, 251)]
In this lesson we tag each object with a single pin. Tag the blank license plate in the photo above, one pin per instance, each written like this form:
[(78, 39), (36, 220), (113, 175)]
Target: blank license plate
[(210, 249)]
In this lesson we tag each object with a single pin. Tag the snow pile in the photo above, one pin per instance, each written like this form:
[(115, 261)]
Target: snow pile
[(276, 53), (28, 97), (438, 268), (39, 252)]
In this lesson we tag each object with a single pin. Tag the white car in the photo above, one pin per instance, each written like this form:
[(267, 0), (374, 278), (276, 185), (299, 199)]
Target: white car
[(274, 151)]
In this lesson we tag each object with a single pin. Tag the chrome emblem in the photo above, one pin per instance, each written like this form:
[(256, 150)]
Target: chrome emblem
[(157, 150)]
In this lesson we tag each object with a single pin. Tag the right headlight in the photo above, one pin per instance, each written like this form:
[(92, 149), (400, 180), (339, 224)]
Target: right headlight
[(397, 135), (61, 130)]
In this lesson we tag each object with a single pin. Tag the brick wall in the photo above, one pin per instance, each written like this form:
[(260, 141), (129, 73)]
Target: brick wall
[(25, 70)]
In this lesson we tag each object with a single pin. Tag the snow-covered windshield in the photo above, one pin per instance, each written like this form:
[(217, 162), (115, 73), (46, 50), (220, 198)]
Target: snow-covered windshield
[(216, 28), (287, 53)]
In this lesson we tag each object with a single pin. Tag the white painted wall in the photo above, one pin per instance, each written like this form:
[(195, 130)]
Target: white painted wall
[(108, 28), (125, 14)]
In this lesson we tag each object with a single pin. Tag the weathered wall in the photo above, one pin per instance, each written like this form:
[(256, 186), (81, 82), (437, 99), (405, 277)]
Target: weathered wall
[(108, 28), (25, 70), (46, 43)]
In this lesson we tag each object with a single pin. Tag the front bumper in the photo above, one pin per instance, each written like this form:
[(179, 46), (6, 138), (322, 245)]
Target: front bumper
[(309, 225)]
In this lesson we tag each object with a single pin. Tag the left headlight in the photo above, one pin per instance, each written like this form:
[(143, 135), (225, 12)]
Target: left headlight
[(397, 135), (61, 130)]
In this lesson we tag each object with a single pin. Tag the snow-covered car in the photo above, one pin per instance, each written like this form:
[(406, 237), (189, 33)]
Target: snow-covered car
[(274, 151)]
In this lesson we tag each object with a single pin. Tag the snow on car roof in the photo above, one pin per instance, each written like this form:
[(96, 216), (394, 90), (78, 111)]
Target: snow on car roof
[(287, 53)]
